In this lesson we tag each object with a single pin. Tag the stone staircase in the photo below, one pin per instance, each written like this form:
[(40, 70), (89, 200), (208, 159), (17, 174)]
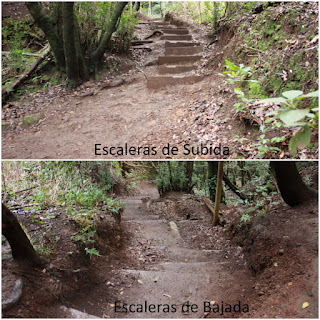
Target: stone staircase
[(177, 66)]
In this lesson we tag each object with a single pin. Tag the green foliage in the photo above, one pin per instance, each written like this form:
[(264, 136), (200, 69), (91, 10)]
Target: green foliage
[(196, 11), (237, 73), (78, 186), (92, 251), (94, 18), (264, 144), (170, 176), (292, 114)]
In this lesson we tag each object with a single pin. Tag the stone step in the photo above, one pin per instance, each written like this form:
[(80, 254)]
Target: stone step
[(183, 50), (140, 217), (132, 201), (159, 23), (180, 254), (175, 69), (181, 31), (170, 44), (187, 267), (176, 37), (146, 222), (76, 314), (157, 82), (178, 59)]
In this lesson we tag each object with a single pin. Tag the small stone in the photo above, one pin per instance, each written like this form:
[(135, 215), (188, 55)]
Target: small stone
[(30, 119), (5, 125)]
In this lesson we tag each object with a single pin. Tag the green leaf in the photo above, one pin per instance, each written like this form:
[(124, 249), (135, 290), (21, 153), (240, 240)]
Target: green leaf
[(313, 94), (300, 140), (156, 279), (231, 65), (291, 117), (292, 94), (278, 99)]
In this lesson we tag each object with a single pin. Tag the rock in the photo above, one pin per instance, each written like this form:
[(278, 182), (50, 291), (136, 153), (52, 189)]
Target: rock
[(5, 125), (152, 62), (76, 314), (30, 119)]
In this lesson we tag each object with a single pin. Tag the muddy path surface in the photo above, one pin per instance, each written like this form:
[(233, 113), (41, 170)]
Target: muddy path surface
[(183, 276), (149, 110), (160, 274)]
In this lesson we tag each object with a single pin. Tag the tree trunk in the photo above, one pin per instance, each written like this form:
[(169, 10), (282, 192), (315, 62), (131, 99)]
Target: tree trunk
[(105, 40), (212, 181), (218, 193), (48, 27), (233, 187), (188, 172), (70, 49), (293, 190), (136, 7), (20, 244)]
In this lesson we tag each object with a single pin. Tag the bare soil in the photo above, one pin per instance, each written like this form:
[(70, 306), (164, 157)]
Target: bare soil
[(271, 264)]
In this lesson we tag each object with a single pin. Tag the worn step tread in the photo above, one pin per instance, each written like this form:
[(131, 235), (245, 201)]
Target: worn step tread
[(183, 50), (170, 44), (157, 82), (172, 69), (176, 37), (174, 59)]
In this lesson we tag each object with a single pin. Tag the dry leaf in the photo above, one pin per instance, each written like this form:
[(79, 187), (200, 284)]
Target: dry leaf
[(305, 305)]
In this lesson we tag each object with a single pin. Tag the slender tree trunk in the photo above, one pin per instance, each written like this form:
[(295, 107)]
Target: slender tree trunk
[(136, 7), (105, 40), (20, 244), (215, 16), (48, 27), (212, 180), (293, 190), (233, 187), (189, 172), (218, 193)]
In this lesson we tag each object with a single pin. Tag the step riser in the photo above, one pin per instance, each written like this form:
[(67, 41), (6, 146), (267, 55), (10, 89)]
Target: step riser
[(183, 50), (175, 31), (178, 59), (175, 70), (161, 82), (181, 44), (176, 38)]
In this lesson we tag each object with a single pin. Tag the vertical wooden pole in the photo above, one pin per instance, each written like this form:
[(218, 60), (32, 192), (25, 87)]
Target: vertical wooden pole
[(218, 193)]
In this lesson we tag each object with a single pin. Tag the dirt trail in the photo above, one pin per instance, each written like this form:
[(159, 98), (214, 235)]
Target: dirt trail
[(130, 114), (183, 275)]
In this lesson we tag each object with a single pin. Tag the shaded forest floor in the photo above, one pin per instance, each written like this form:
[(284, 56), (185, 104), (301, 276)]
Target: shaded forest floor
[(165, 251), (69, 124)]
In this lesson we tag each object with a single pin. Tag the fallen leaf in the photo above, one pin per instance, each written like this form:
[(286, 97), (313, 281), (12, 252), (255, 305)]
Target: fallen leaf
[(156, 279), (289, 284), (140, 281), (111, 305), (275, 264), (121, 293), (167, 295), (305, 305)]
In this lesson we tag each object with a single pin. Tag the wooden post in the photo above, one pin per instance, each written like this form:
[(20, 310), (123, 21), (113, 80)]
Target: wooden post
[(218, 193)]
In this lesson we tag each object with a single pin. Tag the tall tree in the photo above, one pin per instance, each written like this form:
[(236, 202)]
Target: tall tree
[(65, 42), (20, 244), (292, 188)]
